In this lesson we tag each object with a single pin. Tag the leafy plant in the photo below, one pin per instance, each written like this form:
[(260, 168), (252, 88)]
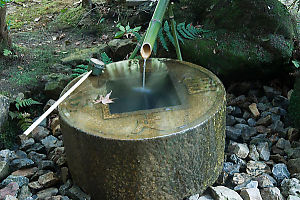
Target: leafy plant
[(127, 31), (3, 3), (24, 118), (296, 63), (7, 52)]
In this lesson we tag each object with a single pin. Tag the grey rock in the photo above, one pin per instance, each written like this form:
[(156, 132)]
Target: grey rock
[(229, 110), (58, 156), (21, 154), (11, 189), (255, 168), (198, 197), (265, 180), (233, 133), (4, 170), (24, 193), (40, 133), (294, 165), (230, 120), (22, 163), (224, 193), (4, 109), (20, 180), (63, 189), (35, 185), (7, 155), (253, 153), (10, 197), (47, 193), (293, 153), (292, 197), (251, 194), (280, 172), (237, 112), (37, 147), (241, 150), (28, 172), (235, 159), (26, 144), (246, 115), (278, 111), (49, 179), (277, 126), (283, 144), (240, 120), (251, 122), (263, 150), (121, 48), (49, 103), (280, 101), (265, 121), (246, 185), (240, 178), (231, 168), (77, 194), (262, 106), (264, 99), (51, 142), (246, 131), (36, 157), (46, 165), (290, 187), (271, 193)]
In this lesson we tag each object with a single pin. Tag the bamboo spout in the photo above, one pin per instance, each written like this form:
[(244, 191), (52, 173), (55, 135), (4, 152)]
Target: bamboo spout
[(153, 28)]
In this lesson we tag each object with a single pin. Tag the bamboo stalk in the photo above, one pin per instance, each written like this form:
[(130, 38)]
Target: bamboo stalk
[(153, 28), (137, 48), (61, 99), (173, 27)]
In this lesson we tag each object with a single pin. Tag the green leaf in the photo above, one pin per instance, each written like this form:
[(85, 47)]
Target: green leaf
[(137, 29), (127, 27), (122, 28), (167, 30), (296, 63), (119, 34), (162, 39)]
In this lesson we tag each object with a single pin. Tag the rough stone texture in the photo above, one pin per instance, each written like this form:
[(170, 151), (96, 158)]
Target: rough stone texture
[(121, 48), (4, 108), (292, 197), (4, 170), (240, 178), (253, 153), (290, 187), (271, 193), (22, 163), (196, 153), (47, 193), (265, 180), (11, 189), (10, 197), (255, 168), (251, 194), (283, 144), (224, 193), (254, 110), (280, 172), (39, 133), (198, 197), (51, 142), (58, 156), (24, 193), (35, 185), (55, 83), (48, 179), (76, 193), (20, 180), (294, 165), (241, 150), (263, 150)]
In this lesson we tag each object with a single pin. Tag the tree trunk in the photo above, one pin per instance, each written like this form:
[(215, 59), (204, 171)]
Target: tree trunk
[(87, 3), (4, 36)]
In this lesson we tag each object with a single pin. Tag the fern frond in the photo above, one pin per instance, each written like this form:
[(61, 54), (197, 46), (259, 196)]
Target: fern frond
[(79, 70), (178, 35), (180, 28), (162, 39), (82, 67), (24, 123), (167, 30), (105, 58), (25, 102)]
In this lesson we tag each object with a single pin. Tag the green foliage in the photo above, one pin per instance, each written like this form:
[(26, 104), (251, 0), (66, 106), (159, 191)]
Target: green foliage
[(24, 120), (21, 103), (4, 2), (7, 52), (183, 32), (125, 31), (81, 69), (296, 63)]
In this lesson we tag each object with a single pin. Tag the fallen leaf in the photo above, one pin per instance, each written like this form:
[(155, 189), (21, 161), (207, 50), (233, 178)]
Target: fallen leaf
[(104, 100), (77, 43)]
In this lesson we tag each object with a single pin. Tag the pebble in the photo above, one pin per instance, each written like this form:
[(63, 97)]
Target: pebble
[(20, 180), (280, 172), (233, 133), (246, 185), (29, 172), (271, 193), (294, 165), (49, 192), (51, 142), (49, 179), (246, 131), (24, 193), (77, 194), (230, 120), (283, 144), (263, 150), (22, 163), (231, 168), (223, 193), (253, 153), (265, 180), (36, 157), (251, 194), (254, 110), (26, 144), (241, 150), (11, 189), (240, 178), (255, 168), (290, 187)]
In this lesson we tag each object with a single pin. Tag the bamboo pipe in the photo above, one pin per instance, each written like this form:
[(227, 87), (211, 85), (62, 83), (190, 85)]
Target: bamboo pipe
[(153, 28)]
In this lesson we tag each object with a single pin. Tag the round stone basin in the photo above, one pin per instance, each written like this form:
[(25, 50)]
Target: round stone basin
[(164, 141)]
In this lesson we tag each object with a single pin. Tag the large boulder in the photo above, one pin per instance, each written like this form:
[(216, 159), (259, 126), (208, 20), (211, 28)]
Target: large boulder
[(246, 39)]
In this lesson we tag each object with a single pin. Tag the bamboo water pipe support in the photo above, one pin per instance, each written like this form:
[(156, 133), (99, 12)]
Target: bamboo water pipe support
[(153, 28), (174, 32)]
